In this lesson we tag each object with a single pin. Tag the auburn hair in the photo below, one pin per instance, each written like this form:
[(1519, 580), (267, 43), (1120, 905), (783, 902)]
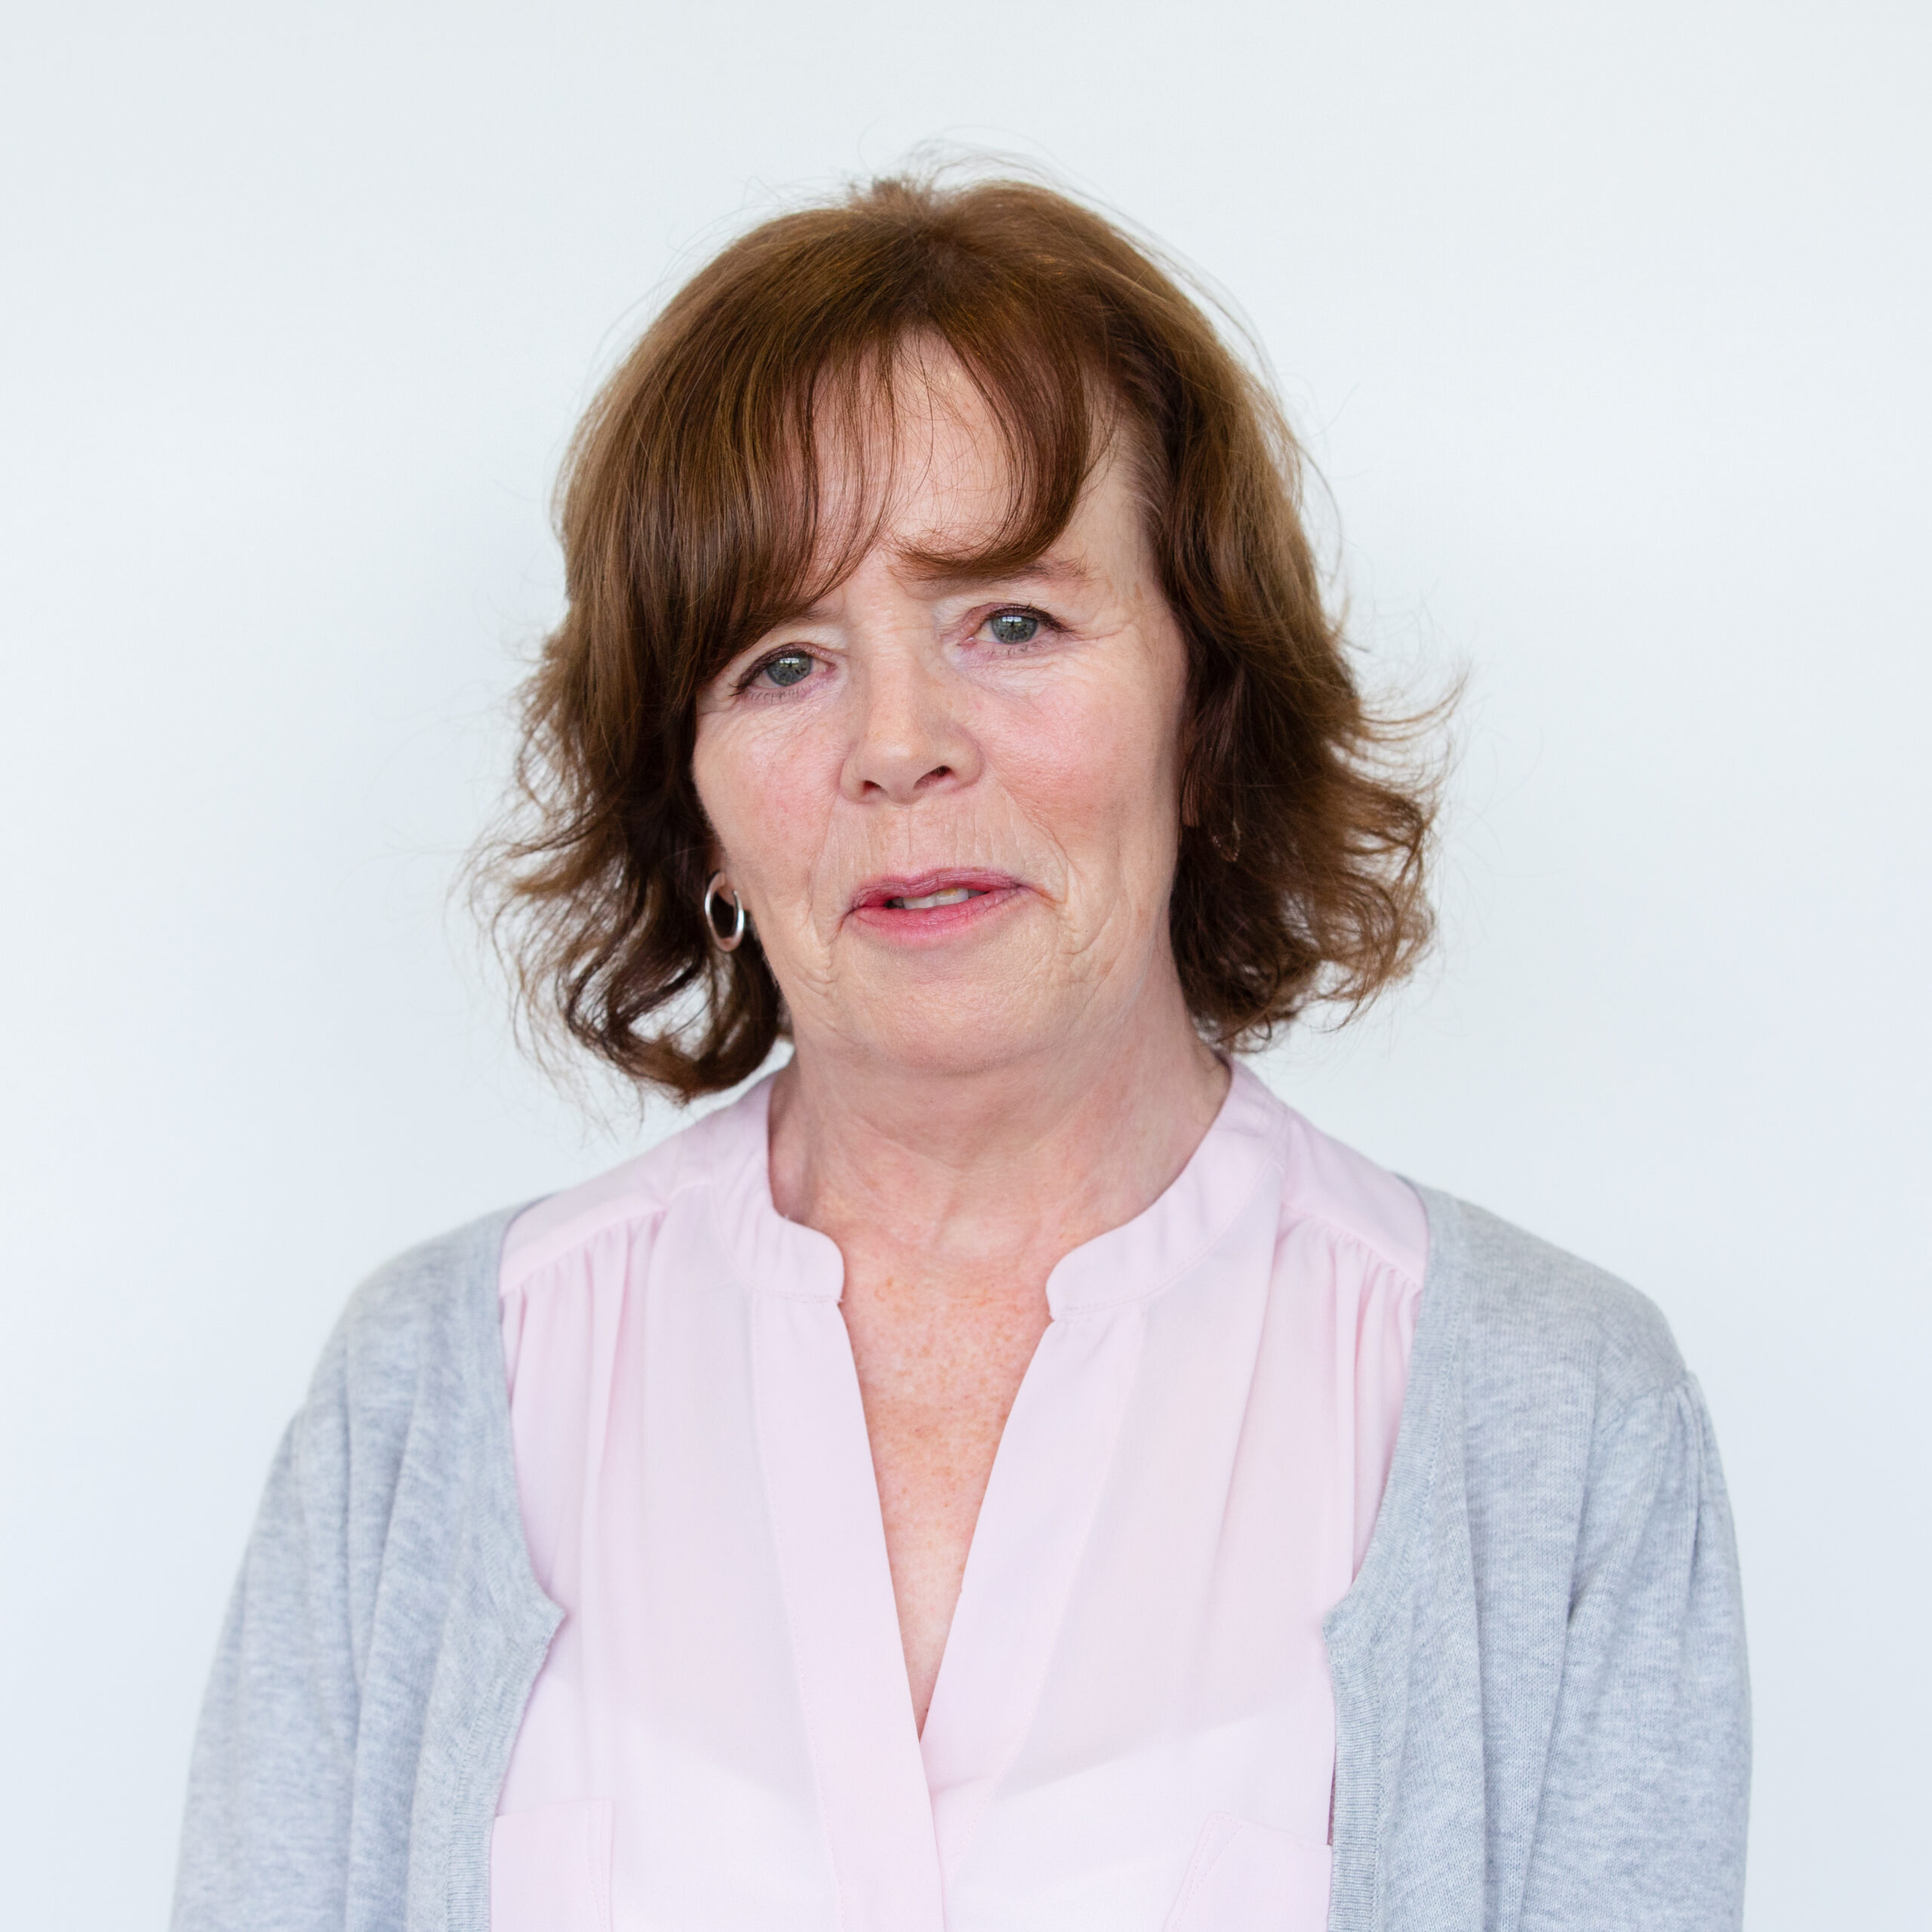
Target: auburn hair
[(691, 523)]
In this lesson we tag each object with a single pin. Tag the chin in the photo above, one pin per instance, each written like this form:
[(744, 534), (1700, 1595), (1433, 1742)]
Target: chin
[(947, 1031), (959, 1052)]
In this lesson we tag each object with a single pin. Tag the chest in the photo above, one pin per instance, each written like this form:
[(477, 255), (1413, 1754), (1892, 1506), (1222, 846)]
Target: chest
[(939, 1367), (1127, 1524)]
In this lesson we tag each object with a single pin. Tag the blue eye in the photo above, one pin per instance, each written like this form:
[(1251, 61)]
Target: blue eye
[(788, 667), (1013, 627)]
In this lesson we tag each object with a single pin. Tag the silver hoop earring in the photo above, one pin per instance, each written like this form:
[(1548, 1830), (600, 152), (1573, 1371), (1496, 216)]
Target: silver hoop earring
[(725, 941)]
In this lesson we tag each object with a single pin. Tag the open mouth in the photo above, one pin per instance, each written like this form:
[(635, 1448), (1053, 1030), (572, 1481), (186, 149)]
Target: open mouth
[(953, 895), (936, 900)]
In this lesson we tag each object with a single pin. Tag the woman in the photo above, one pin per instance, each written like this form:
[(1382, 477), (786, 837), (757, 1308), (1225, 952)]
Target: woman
[(1005, 1470)]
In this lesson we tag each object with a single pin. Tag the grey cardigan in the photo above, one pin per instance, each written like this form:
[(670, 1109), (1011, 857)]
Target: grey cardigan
[(1542, 1715)]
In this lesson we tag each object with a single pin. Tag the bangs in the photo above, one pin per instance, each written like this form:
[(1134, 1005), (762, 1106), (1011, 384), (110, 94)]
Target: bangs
[(856, 439), (789, 420)]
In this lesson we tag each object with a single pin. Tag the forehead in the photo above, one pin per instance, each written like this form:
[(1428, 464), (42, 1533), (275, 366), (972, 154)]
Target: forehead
[(920, 443), (922, 464)]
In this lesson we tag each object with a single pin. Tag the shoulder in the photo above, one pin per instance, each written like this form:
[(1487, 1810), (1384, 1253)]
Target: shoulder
[(633, 1197), (1515, 1310), (1327, 1185), (1552, 1359), (428, 1319), (637, 1191), (1538, 1310), (413, 1335)]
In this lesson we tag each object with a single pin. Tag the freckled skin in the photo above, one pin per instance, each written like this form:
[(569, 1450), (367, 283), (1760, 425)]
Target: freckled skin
[(957, 1117)]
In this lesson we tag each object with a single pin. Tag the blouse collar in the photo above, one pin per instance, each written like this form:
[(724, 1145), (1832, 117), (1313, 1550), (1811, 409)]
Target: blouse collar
[(1245, 1144)]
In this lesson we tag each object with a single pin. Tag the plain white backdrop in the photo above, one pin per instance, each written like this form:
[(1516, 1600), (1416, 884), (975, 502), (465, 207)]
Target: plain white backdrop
[(1606, 328)]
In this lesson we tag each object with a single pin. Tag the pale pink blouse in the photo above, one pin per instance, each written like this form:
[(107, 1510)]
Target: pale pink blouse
[(1132, 1729)]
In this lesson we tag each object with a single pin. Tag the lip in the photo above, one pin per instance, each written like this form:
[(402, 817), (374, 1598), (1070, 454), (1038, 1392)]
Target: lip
[(875, 892), (992, 892)]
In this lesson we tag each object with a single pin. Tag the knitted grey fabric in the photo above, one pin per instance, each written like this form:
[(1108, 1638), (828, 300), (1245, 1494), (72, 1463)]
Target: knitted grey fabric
[(1542, 1711)]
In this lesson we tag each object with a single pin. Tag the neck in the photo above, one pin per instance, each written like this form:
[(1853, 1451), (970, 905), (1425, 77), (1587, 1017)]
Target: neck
[(994, 1173)]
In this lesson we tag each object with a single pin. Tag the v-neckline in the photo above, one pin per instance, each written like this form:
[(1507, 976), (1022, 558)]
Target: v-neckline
[(901, 1809)]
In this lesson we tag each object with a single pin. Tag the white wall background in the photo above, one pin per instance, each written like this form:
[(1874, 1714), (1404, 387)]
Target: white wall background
[(1607, 326)]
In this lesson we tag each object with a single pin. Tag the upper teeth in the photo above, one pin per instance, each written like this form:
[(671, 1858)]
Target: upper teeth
[(951, 896)]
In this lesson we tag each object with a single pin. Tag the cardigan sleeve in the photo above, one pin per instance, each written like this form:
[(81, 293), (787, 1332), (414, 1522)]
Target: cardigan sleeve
[(1641, 1822), (265, 1840)]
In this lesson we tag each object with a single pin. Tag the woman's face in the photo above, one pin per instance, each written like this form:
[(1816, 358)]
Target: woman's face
[(950, 807)]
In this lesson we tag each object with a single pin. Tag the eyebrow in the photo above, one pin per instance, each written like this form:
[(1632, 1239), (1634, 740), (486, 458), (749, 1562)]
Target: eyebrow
[(1048, 569)]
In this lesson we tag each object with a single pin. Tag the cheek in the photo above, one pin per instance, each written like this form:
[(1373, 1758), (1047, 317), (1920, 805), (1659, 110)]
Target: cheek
[(1098, 769), (766, 785)]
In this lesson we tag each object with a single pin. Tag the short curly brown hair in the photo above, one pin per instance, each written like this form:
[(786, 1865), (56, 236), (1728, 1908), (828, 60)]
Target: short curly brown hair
[(691, 523)]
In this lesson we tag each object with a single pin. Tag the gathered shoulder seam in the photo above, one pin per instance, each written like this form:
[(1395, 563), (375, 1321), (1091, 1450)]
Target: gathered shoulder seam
[(624, 1211)]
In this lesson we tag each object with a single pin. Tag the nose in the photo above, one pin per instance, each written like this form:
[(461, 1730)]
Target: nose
[(909, 737)]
